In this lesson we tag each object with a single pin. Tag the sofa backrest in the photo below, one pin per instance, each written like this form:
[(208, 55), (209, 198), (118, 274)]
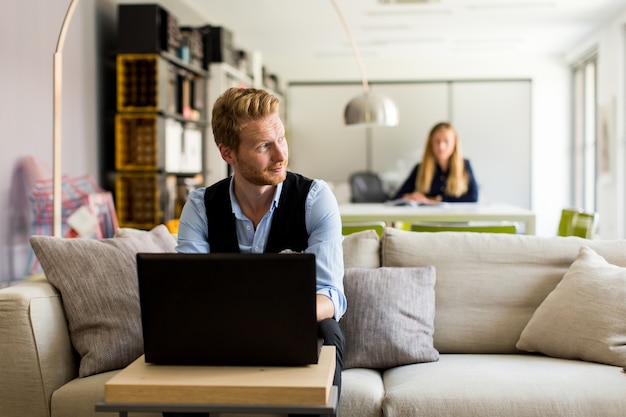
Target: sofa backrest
[(488, 285), (361, 250)]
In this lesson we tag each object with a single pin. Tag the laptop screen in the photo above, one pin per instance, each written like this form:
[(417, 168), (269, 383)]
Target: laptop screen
[(228, 309)]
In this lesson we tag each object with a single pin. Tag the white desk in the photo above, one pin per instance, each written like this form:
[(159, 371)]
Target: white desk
[(449, 212)]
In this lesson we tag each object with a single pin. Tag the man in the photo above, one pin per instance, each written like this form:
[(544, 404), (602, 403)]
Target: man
[(265, 208)]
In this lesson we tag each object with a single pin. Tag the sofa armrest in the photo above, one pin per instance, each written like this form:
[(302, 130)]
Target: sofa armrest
[(36, 355)]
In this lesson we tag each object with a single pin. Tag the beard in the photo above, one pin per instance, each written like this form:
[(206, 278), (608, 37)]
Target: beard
[(264, 176)]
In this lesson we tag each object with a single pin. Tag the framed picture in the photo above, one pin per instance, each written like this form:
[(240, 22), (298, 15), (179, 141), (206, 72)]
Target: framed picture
[(606, 138)]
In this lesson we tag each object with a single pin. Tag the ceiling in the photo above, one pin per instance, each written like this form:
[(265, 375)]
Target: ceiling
[(305, 29)]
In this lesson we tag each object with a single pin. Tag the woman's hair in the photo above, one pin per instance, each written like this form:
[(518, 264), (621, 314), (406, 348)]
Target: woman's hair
[(234, 108), (457, 182)]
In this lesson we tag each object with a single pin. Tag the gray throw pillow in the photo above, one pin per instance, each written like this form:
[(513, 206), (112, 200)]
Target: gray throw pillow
[(390, 317), (97, 280)]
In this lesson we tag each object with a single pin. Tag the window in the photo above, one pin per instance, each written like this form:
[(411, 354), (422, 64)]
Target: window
[(584, 140)]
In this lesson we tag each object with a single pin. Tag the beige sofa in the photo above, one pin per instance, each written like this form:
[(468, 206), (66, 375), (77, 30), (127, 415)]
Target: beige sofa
[(456, 324)]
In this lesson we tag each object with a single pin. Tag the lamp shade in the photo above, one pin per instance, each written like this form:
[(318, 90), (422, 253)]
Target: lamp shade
[(371, 109)]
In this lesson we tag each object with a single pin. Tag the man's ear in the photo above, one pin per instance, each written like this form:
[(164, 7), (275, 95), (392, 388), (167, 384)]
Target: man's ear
[(227, 153)]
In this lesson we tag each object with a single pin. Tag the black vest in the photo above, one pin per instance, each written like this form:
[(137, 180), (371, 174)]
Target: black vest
[(288, 228)]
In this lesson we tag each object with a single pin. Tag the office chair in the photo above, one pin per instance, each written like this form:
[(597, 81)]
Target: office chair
[(579, 223), (367, 187)]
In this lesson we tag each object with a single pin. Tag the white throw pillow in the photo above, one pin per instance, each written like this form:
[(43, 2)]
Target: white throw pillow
[(584, 317)]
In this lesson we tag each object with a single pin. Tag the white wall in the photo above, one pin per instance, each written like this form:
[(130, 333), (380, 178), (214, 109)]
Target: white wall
[(29, 32), (611, 73), (492, 118)]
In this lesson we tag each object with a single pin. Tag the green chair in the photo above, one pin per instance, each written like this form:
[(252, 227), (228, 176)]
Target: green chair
[(579, 223), (349, 228), (481, 227), (402, 225), (566, 222)]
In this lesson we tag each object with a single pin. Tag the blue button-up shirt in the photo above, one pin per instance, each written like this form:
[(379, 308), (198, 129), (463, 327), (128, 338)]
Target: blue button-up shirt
[(323, 224)]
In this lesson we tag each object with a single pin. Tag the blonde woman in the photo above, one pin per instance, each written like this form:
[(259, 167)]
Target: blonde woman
[(443, 174)]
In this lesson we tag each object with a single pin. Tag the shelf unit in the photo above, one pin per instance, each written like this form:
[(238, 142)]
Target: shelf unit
[(160, 119), (164, 146), (159, 136)]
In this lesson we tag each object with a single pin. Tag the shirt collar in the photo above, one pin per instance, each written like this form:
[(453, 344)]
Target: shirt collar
[(235, 205)]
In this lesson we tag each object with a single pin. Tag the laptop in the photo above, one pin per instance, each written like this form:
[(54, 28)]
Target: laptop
[(228, 309)]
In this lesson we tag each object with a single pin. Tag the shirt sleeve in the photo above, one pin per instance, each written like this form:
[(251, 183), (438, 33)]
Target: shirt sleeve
[(323, 223), (192, 229)]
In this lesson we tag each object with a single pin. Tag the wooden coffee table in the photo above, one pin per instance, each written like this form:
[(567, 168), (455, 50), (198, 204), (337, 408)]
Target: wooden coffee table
[(143, 387)]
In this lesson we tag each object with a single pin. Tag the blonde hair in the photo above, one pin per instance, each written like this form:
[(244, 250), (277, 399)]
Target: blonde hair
[(458, 180), (234, 108)]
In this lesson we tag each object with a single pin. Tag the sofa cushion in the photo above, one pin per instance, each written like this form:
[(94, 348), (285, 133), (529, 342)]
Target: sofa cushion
[(488, 285), (78, 397), (389, 321), (584, 317), (362, 393), (97, 280), (517, 385), (361, 249)]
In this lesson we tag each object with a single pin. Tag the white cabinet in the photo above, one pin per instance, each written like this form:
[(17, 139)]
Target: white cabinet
[(222, 76), (492, 119)]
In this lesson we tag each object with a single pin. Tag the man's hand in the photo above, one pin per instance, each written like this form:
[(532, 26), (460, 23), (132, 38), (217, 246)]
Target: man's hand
[(325, 307)]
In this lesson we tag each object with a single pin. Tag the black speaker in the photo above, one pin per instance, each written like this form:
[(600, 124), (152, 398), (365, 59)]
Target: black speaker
[(146, 28), (218, 45)]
